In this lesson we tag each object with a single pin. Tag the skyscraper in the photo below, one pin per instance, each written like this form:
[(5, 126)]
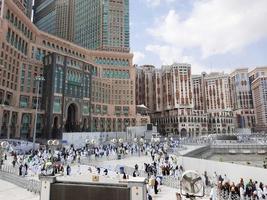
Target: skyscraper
[(55, 17), (94, 24), (25, 6), (44, 16), (102, 24)]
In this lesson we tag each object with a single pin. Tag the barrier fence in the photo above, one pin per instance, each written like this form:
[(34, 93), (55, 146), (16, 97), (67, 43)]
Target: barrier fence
[(10, 174), (10, 169), (88, 160), (228, 195)]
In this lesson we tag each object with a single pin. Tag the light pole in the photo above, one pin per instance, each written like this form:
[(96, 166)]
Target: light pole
[(155, 141), (139, 143), (117, 143), (168, 142), (90, 144), (38, 79), (2, 106), (3, 145), (52, 144)]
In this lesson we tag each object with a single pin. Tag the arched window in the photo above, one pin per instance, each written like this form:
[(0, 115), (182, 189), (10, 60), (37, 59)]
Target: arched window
[(16, 21), (12, 18), (8, 14)]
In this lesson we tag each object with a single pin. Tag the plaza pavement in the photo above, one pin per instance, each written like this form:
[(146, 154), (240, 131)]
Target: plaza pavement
[(9, 191), (12, 192)]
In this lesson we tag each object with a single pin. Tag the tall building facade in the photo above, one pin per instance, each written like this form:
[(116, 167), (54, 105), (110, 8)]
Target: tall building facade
[(24, 50), (258, 83), (94, 24), (44, 16), (171, 99), (25, 6), (241, 97), (218, 103), (177, 84), (66, 94), (186, 104), (259, 88), (157, 90), (198, 92), (55, 17), (102, 24), (144, 83)]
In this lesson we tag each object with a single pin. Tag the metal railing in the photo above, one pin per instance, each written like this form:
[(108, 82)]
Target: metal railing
[(93, 159), (10, 169), (34, 186), (224, 195), (10, 174), (171, 181)]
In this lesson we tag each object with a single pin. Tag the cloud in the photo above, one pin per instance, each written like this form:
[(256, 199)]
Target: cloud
[(167, 54), (138, 57), (170, 54), (158, 2), (215, 27)]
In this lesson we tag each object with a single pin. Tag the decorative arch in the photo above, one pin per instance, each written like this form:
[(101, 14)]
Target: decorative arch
[(72, 113), (183, 132)]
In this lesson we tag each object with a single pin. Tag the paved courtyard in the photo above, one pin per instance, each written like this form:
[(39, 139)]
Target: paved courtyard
[(81, 173), (9, 191)]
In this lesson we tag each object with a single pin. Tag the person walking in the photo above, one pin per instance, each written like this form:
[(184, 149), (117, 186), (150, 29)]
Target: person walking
[(242, 192), (213, 193), (68, 170), (79, 170), (14, 163), (106, 172), (20, 170), (23, 170), (156, 186), (124, 176)]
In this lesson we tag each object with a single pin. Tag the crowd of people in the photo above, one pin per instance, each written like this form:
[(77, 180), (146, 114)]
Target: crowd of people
[(51, 161), (60, 161), (163, 164), (223, 188)]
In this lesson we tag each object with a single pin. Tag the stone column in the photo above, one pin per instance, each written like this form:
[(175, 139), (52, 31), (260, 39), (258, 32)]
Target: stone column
[(1, 118), (32, 124), (18, 125), (9, 124), (46, 182), (138, 188)]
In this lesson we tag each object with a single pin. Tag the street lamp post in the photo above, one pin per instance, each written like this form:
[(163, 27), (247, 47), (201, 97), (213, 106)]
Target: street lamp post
[(38, 79), (155, 141), (168, 142), (139, 143), (90, 144), (52, 144), (1, 117), (3, 146), (117, 143), (156, 129)]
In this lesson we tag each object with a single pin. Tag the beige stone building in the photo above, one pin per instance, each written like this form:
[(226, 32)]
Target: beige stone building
[(172, 100), (189, 105), (258, 82), (241, 99), (144, 86), (23, 48)]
